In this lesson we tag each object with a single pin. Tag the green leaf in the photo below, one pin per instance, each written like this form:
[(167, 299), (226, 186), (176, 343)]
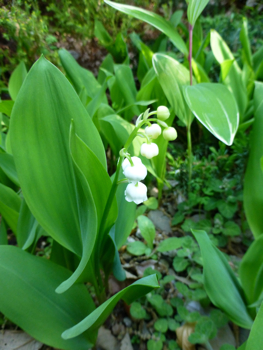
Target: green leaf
[(178, 218), (170, 244), (233, 81), (219, 318), (227, 209), (43, 313), (180, 264), (255, 339), (6, 107), (227, 347), (80, 77), (9, 206), (46, 104), (93, 321), (221, 283), (194, 10), (154, 344), (151, 203), (253, 184), (137, 311), (199, 73), (147, 229), (172, 76), (155, 20), (172, 324), (244, 38), (16, 80), (3, 233), (136, 248), (161, 325), (215, 107), (251, 272), (7, 164), (231, 229), (205, 329)]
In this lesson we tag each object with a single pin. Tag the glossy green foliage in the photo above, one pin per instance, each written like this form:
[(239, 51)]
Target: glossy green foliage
[(98, 317), (6, 107), (244, 38), (155, 20), (253, 185), (16, 80), (221, 284), (8, 166), (194, 10), (147, 229), (172, 76), (29, 299), (251, 272), (233, 80), (215, 107), (46, 104)]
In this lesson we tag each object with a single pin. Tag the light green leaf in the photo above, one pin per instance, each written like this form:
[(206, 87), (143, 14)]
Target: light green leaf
[(233, 80), (221, 283), (80, 77), (137, 311), (154, 344), (170, 244), (255, 339), (42, 313), (151, 203), (6, 107), (9, 206), (215, 107), (136, 248), (244, 38), (253, 185), (161, 325), (155, 20), (231, 229), (200, 73), (7, 164), (172, 75), (93, 321), (16, 80), (147, 229), (251, 272), (194, 10), (46, 104)]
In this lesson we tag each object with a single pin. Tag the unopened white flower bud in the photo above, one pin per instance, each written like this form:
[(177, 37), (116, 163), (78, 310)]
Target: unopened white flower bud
[(134, 173), (149, 150), (170, 134), (153, 131), (163, 113), (136, 193)]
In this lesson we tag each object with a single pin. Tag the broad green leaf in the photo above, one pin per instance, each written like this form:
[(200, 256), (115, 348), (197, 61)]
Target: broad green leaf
[(170, 244), (244, 38), (94, 104), (93, 321), (233, 80), (194, 10), (6, 107), (225, 68), (251, 272), (215, 107), (151, 203), (117, 269), (29, 299), (255, 339), (80, 77), (147, 229), (221, 283), (172, 76), (46, 104), (108, 65), (3, 233), (9, 206), (253, 184), (155, 20), (16, 80), (8, 166)]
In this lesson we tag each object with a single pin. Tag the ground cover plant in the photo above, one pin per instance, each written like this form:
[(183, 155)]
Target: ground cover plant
[(78, 156)]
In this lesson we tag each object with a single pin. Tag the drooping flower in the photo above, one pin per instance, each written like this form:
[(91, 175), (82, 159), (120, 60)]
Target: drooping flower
[(149, 150), (153, 131), (163, 113), (170, 134), (136, 193), (134, 173)]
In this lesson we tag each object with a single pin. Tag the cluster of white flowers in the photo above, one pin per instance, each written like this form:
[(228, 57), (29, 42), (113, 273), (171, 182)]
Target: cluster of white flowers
[(133, 169)]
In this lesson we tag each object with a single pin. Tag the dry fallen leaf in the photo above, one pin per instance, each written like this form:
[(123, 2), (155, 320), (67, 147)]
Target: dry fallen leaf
[(18, 340), (183, 333)]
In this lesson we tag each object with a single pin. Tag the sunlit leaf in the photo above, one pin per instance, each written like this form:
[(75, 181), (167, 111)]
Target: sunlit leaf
[(16, 80)]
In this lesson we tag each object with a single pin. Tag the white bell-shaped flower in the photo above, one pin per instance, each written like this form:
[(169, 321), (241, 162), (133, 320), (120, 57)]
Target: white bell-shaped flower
[(136, 193), (153, 131), (134, 173), (170, 134), (163, 113), (149, 150)]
